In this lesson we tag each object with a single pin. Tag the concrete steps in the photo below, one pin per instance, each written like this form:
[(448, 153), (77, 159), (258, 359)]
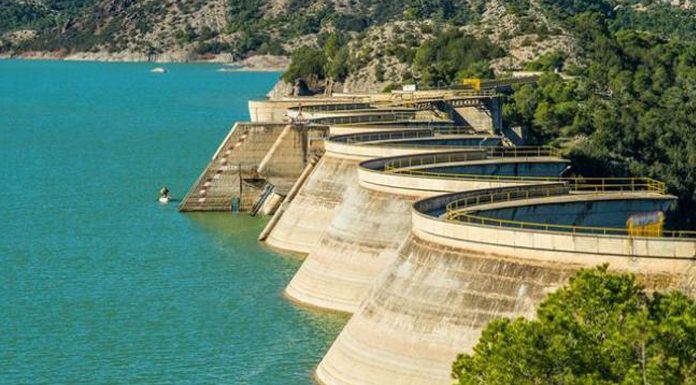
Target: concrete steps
[(237, 158)]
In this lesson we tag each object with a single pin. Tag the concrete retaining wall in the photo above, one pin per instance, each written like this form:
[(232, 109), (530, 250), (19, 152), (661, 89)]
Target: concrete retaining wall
[(246, 145), (428, 306), (299, 228), (367, 228), (433, 301), (478, 117), (451, 278)]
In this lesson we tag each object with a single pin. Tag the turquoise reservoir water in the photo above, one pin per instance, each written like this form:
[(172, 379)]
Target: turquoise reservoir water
[(99, 284)]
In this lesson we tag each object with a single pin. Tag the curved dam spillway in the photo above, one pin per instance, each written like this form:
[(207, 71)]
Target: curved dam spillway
[(302, 222), (484, 254), (373, 219), (427, 233)]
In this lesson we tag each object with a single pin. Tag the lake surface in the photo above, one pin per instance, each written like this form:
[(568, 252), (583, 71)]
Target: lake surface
[(99, 284)]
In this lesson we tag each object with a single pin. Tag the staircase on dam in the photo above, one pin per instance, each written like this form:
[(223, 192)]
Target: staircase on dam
[(252, 159)]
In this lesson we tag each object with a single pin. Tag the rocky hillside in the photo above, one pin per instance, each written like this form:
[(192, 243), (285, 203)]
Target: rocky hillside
[(380, 37)]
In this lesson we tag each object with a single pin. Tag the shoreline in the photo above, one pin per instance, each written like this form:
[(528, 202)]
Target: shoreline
[(259, 63)]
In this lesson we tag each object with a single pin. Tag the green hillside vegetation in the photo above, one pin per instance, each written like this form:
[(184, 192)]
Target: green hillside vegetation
[(452, 55), (441, 61), (601, 329), (633, 107)]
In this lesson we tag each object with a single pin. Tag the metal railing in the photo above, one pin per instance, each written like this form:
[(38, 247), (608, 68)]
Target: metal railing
[(364, 118), (332, 107), (578, 184), (485, 84), (437, 94), (456, 208), (382, 136), (404, 134), (457, 211), (404, 165), (474, 219), (405, 99)]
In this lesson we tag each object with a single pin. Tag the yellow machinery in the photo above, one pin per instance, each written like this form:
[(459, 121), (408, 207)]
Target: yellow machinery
[(473, 83), (648, 224)]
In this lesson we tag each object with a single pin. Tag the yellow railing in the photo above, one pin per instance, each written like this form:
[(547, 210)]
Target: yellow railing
[(435, 95), (467, 218), (456, 207), (579, 184), (571, 184), (424, 132), (456, 211), (403, 165)]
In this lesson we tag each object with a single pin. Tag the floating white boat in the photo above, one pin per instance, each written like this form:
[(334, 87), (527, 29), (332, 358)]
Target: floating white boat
[(158, 70)]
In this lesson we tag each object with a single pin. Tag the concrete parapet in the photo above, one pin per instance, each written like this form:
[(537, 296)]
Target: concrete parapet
[(361, 152), (275, 111), (647, 255)]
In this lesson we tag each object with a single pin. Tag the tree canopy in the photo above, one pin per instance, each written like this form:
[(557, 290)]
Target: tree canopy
[(452, 55), (601, 329), (307, 63), (634, 102)]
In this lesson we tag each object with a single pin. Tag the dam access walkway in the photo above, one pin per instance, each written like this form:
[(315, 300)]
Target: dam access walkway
[(253, 159)]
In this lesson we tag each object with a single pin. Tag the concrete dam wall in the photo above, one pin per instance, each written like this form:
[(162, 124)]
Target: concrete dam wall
[(428, 306), (300, 227), (371, 221), (451, 278), (427, 246)]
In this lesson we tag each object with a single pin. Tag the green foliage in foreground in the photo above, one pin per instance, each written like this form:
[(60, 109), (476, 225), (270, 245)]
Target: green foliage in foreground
[(602, 329)]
